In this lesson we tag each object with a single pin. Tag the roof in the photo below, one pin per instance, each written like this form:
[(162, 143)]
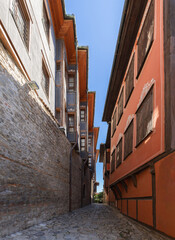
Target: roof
[(64, 27), (91, 110), (83, 72), (132, 15)]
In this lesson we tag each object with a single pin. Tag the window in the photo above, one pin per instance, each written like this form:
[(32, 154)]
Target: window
[(90, 161), (128, 140), (129, 82), (21, 19), (71, 123), (71, 83), (119, 153), (45, 82), (144, 117), (82, 115), (83, 144), (46, 21), (120, 106), (146, 37), (113, 162), (114, 122)]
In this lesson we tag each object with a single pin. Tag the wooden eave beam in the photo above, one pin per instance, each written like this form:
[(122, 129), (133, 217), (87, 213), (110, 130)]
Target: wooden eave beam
[(134, 180), (124, 185)]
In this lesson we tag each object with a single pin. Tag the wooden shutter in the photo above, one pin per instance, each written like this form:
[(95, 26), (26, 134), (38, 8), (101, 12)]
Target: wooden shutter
[(113, 162), (120, 106), (119, 153), (146, 37), (129, 82), (128, 142), (144, 117)]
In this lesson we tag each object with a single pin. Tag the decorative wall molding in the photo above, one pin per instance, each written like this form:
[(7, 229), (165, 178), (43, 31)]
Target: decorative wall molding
[(130, 118)]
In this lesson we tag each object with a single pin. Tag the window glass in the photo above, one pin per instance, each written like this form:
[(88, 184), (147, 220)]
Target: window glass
[(45, 80), (119, 153), (128, 140), (82, 115), (71, 123)]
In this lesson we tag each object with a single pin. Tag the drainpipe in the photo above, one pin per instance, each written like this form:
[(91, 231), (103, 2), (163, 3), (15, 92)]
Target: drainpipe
[(70, 178)]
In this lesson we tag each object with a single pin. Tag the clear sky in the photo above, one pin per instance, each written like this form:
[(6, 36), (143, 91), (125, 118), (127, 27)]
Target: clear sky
[(97, 26)]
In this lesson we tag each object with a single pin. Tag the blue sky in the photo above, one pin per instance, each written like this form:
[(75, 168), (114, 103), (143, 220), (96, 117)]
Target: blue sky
[(97, 25)]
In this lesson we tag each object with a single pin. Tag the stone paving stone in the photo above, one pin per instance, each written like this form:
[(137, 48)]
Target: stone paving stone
[(94, 222)]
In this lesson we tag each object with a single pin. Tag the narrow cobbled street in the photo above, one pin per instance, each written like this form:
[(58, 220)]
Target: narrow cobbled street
[(94, 222)]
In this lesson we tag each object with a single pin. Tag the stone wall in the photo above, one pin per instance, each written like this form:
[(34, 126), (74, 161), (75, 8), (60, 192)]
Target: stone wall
[(34, 156)]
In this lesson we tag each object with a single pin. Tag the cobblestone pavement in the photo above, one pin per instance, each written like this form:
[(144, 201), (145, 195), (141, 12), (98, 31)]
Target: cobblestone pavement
[(94, 222)]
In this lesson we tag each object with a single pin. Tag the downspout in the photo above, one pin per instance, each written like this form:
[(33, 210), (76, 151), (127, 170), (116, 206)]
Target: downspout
[(70, 178)]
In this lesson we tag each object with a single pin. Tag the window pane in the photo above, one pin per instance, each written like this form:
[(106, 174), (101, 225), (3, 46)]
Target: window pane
[(45, 80), (71, 84), (45, 21), (82, 115), (113, 162)]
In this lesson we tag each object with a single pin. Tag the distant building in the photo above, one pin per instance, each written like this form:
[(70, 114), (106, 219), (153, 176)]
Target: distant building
[(138, 156)]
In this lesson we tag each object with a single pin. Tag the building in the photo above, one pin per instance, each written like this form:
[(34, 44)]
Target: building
[(138, 156), (44, 123)]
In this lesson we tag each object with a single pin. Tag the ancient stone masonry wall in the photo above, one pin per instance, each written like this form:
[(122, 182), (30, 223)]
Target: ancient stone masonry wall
[(34, 156)]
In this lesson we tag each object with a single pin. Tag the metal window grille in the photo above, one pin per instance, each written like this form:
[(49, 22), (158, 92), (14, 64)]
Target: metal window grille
[(45, 80), (144, 117), (45, 20), (22, 21)]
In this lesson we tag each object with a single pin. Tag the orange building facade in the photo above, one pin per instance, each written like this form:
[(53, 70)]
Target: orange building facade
[(138, 156)]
